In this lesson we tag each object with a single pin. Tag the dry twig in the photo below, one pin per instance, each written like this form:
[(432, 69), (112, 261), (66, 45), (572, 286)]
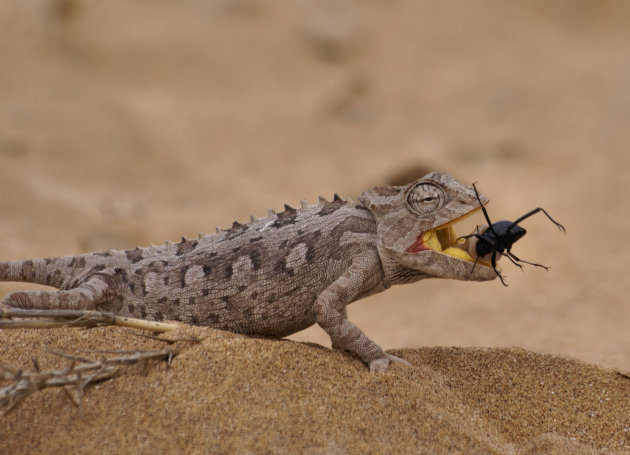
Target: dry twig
[(18, 318), (74, 378), (81, 371)]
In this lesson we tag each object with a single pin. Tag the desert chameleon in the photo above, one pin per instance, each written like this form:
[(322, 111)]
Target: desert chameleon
[(277, 275)]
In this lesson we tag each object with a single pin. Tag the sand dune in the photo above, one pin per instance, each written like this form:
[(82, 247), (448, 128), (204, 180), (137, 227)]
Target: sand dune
[(235, 394)]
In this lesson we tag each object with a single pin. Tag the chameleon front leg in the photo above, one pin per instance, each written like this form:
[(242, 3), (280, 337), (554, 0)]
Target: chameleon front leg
[(329, 312), (344, 313)]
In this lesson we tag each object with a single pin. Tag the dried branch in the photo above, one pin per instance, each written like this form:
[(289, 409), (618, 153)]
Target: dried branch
[(74, 378), (18, 318)]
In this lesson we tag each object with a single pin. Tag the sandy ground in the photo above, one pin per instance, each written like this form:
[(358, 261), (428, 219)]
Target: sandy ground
[(234, 394), (125, 123)]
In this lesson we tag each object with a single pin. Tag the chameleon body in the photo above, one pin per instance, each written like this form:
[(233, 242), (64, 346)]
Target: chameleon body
[(276, 275)]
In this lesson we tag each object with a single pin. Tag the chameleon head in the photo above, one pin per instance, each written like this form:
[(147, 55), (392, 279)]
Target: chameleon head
[(415, 226)]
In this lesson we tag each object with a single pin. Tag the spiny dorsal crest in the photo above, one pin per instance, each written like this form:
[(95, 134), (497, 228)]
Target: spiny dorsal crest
[(283, 216)]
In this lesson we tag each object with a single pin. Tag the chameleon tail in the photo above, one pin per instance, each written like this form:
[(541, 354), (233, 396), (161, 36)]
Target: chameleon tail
[(46, 271)]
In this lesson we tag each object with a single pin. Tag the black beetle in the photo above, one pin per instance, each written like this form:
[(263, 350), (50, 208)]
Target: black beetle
[(501, 236)]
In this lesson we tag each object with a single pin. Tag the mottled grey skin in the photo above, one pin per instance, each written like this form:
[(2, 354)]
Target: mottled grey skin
[(273, 276)]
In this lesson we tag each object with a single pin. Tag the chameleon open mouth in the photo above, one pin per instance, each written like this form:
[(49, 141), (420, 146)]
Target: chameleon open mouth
[(445, 240)]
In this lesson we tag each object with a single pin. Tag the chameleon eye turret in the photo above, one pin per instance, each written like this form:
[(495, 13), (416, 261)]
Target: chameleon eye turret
[(425, 198)]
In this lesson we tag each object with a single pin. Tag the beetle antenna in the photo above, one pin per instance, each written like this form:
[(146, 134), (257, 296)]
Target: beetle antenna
[(483, 209)]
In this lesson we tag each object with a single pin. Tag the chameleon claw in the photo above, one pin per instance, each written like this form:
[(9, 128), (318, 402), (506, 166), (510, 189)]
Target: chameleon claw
[(393, 358), (380, 365)]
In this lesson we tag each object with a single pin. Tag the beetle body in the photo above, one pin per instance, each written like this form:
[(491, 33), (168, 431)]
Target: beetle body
[(500, 238)]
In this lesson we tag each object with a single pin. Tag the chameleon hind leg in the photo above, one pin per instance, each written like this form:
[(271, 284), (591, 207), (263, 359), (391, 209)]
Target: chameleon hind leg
[(84, 297)]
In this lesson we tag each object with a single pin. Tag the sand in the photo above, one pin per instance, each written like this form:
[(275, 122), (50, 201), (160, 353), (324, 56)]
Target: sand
[(126, 123), (234, 394)]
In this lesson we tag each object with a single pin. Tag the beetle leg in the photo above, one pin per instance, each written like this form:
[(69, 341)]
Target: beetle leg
[(474, 265), (474, 234), (515, 258), (536, 210), (494, 267), (478, 237)]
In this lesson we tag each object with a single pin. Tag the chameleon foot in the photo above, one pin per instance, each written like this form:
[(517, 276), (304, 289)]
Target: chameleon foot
[(381, 365)]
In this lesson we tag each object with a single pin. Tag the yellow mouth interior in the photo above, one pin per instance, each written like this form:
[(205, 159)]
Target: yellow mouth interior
[(444, 240)]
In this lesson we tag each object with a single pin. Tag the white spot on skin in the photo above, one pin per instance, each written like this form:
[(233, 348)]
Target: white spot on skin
[(194, 275), (151, 281), (297, 257)]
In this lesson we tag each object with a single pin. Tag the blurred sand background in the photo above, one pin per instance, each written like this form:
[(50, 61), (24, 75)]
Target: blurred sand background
[(125, 123)]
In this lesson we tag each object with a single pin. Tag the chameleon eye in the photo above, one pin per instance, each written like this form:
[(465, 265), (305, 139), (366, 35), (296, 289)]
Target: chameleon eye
[(425, 198)]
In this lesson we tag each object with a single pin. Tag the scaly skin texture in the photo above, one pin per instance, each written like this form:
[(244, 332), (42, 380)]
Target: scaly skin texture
[(273, 276)]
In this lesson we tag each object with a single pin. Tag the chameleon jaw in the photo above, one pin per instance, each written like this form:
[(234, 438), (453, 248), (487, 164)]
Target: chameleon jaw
[(445, 240)]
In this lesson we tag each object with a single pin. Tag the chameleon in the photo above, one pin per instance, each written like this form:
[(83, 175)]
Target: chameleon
[(280, 274)]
